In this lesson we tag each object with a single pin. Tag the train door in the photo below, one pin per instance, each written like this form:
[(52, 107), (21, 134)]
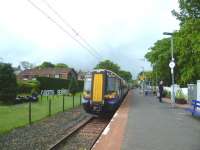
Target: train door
[(98, 87)]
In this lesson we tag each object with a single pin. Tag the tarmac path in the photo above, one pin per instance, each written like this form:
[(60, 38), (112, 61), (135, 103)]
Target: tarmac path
[(157, 126)]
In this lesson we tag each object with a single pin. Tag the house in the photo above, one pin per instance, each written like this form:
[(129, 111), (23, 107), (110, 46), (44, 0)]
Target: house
[(61, 73), (17, 70), (81, 75)]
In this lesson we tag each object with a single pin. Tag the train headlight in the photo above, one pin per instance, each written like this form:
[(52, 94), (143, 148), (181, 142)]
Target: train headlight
[(86, 95), (111, 95)]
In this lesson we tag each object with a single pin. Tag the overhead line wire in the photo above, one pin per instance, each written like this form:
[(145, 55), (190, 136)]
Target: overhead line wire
[(62, 28), (71, 27)]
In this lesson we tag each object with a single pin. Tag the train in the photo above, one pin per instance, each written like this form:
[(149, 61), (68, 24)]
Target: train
[(103, 91)]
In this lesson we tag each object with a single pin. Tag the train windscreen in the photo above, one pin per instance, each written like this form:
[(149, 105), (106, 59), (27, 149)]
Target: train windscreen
[(87, 87)]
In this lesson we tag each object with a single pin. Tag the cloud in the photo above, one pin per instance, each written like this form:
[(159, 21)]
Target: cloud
[(120, 30)]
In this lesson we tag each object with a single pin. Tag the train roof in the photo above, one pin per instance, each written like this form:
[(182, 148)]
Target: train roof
[(104, 70)]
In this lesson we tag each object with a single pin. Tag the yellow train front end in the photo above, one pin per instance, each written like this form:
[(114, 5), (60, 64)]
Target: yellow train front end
[(103, 92)]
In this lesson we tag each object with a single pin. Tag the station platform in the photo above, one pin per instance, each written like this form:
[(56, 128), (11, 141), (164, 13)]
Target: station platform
[(142, 123)]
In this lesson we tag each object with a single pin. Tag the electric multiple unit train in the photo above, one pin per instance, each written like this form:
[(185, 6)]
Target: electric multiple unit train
[(103, 91)]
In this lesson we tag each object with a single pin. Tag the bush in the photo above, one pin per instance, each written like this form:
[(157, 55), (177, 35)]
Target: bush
[(180, 98), (166, 93), (8, 83), (80, 86), (28, 86), (73, 86)]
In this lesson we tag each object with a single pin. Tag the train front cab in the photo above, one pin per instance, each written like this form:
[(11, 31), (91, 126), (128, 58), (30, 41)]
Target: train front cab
[(94, 92), (103, 92)]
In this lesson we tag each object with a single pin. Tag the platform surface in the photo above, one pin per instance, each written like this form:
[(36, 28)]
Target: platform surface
[(157, 126)]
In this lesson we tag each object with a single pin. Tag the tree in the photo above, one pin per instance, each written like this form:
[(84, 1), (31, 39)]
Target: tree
[(125, 75), (189, 9), (188, 51), (8, 84), (186, 47), (46, 64), (160, 56), (73, 86), (61, 65), (26, 65), (187, 41), (109, 65)]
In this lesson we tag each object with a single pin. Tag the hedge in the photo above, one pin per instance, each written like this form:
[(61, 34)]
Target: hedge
[(8, 84), (56, 84)]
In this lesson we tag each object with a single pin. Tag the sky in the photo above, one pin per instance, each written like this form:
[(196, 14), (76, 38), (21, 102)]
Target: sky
[(119, 30)]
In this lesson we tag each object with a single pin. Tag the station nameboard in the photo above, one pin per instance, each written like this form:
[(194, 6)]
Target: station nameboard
[(62, 92), (52, 92), (47, 92)]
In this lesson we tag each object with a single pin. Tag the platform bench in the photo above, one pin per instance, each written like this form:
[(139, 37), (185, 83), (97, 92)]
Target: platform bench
[(195, 104)]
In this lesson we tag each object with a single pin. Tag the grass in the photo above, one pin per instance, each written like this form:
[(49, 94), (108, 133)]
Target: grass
[(13, 116)]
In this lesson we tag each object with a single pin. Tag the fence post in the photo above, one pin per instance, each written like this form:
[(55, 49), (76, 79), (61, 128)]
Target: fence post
[(63, 103), (80, 99), (49, 107), (29, 112), (41, 98), (73, 100)]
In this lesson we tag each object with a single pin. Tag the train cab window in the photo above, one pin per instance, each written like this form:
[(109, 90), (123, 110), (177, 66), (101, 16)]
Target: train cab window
[(87, 87)]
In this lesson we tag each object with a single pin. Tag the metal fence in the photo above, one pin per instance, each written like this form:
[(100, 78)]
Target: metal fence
[(192, 92), (13, 116)]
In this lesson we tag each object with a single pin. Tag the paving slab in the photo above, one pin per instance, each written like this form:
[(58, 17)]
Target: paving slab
[(157, 126)]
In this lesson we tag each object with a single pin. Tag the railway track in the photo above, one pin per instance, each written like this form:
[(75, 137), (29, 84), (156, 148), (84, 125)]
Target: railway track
[(83, 136)]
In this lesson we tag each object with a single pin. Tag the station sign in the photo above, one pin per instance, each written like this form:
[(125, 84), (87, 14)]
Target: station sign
[(47, 92), (172, 64), (62, 92), (52, 92)]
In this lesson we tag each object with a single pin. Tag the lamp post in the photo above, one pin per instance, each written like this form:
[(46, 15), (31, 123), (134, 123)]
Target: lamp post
[(172, 65)]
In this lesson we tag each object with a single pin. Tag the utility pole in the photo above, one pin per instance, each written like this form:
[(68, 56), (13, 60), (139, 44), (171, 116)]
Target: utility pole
[(172, 65)]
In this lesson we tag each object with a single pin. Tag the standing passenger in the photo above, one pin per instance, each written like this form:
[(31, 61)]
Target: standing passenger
[(160, 91)]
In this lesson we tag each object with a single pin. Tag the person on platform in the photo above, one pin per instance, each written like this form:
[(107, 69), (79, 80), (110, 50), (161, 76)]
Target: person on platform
[(160, 88)]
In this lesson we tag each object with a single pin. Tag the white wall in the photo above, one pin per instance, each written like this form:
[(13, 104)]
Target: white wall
[(184, 90), (198, 90)]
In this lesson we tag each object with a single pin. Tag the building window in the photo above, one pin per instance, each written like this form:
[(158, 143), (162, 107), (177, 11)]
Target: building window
[(56, 75)]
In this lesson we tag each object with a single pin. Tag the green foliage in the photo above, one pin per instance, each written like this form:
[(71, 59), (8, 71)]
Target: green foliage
[(189, 9), (8, 84), (125, 75), (109, 65), (46, 64), (80, 85), (166, 93), (27, 86), (188, 51), (52, 83), (61, 65), (180, 95), (186, 47), (73, 86), (14, 116), (56, 84), (26, 65), (160, 56)]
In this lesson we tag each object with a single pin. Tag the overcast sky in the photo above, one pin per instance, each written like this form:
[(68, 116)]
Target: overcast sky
[(119, 30)]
